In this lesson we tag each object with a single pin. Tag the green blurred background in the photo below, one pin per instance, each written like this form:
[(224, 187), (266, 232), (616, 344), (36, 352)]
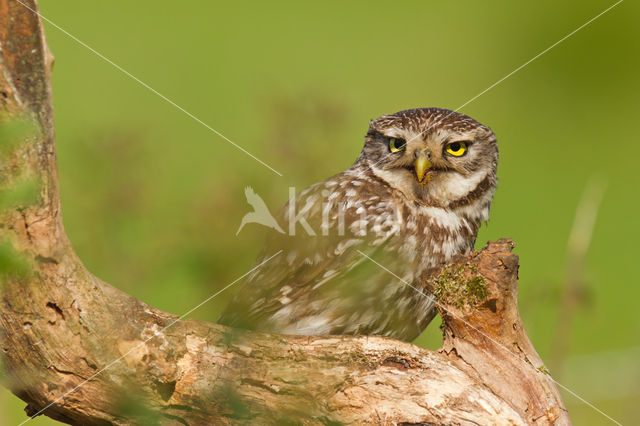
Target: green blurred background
[(152, 199)]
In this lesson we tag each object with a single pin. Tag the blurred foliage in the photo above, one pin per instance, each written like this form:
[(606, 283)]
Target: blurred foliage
[(23, 193), (12, 132), (152, 199), (20, 192), (12, 264), (16, 188), (133, 404)]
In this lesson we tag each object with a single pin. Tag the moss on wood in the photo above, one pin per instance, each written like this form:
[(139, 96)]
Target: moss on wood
[(459, 286)]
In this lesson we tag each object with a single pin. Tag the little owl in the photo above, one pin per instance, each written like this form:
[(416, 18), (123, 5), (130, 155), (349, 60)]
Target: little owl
[(413, 199)]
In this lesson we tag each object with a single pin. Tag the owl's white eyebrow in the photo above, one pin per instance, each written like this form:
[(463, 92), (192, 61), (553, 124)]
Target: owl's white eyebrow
[(391, 132), (460, 139)]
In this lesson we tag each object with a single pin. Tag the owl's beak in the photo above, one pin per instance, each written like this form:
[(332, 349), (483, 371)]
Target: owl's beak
[(422, 164)]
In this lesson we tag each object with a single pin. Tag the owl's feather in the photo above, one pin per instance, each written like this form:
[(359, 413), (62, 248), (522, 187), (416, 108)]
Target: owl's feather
[(322, 284)]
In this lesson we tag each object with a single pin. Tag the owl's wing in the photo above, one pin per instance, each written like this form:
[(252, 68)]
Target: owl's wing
[(317, 281)]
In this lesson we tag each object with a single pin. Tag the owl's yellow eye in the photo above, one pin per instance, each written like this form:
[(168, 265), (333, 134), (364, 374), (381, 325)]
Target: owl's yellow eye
[(457, 149), (397, 144)]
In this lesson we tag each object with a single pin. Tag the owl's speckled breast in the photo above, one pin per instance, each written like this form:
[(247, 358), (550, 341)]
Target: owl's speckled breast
[(425, 236)]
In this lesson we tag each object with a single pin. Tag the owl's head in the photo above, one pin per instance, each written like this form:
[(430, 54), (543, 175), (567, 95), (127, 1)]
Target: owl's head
[(433, 155)]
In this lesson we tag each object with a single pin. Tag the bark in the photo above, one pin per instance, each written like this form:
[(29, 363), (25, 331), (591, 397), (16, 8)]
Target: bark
[(62, 329)]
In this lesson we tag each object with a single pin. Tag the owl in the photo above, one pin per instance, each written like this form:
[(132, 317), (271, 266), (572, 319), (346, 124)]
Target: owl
[(356, 246)]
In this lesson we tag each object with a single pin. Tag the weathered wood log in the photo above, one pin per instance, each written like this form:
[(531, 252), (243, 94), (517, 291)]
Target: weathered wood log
[(80, 351)]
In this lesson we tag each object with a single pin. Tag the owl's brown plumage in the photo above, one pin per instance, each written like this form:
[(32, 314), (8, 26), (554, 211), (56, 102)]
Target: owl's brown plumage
[(414, 198)]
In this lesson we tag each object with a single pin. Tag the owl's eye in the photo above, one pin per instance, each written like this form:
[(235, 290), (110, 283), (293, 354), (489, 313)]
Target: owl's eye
[(396, 144), (457, 149)]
